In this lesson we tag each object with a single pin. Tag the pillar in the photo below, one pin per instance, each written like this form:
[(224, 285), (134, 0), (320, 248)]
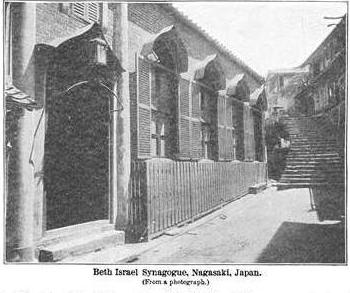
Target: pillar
[(121, 122), (19, 132)]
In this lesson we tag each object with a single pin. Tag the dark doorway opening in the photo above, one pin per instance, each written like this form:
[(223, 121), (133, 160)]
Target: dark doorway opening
[(77, 157), (258, 135), (238, 123)]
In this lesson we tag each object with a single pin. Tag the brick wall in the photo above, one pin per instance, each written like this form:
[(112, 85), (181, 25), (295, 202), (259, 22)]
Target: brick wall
[(145, 20), (53, 24)]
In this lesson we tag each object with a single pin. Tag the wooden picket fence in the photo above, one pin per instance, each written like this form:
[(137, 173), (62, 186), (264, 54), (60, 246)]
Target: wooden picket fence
[(165, 193)]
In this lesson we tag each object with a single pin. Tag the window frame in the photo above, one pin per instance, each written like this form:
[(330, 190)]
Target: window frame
[(159, 114), (157, 136), (207, 120), (68, 8), (205, 141)]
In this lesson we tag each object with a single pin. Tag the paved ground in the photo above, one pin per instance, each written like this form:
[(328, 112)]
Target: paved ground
[(271, 227)]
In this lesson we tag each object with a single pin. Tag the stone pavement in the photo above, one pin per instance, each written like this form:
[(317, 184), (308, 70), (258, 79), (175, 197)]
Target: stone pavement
[(270, 227)]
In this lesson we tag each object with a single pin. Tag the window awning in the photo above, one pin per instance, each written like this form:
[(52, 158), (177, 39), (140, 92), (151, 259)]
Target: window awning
[(169, 38), (88, 33), (258, 98), (78, 33), (210, 71), (238, 87)]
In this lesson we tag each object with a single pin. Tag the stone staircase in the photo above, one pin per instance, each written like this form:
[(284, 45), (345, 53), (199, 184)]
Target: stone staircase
[(315, 156)]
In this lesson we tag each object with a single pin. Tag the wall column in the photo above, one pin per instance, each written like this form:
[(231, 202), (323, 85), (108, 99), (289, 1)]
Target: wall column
[(20, 125), (121, 122)]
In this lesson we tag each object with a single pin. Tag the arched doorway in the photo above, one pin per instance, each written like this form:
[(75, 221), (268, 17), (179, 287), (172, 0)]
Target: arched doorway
[(80, 79)]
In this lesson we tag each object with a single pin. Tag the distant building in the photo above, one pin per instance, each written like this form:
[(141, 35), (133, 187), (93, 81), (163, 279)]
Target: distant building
[(317, 85), (325, 87), (281, 87)]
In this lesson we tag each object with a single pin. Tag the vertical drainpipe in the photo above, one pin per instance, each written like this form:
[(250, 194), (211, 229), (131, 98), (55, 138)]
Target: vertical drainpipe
[(20, 177), (121, 122)]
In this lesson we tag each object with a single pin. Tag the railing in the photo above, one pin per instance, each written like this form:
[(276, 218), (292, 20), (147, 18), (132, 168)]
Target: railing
[(166, 193)]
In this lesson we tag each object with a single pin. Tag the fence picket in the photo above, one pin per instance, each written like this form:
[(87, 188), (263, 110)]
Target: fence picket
[(163, 194)]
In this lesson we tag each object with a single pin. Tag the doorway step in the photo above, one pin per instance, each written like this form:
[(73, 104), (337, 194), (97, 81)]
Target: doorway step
[(61, 243)]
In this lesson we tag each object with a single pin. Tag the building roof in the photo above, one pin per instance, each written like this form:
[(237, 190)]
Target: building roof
[(285, 71), (217, 44), (318, 49)]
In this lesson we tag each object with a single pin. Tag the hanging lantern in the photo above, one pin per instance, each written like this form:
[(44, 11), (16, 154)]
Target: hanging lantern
[(98, 51)]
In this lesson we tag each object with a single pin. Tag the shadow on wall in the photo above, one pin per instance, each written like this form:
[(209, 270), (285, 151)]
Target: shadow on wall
[(306, 243), (328, 201), (276, 133), (277, 161)]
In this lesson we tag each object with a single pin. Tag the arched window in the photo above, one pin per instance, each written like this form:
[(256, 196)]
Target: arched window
[(239, 91), (258, 102), (211, 78), (169, 57)]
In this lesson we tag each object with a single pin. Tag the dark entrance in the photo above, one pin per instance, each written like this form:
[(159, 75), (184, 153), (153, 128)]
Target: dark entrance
[(258, 135), (77, 157), (238, 123), (80, 76)]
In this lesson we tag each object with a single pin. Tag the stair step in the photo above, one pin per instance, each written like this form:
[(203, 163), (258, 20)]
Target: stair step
[(313, 174), (306, 170), (313, 153), (309, 180), (77, 240), (309, 153), (313, 171), (312, 140), (70, 232), (308, 142), (315, 158), (287, 185), (313, 149), (302, 164)]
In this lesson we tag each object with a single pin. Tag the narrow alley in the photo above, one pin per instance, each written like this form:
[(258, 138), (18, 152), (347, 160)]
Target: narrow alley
[(275, 226)]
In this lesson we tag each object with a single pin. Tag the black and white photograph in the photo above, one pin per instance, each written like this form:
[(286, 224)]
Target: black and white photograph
[(175, 133)]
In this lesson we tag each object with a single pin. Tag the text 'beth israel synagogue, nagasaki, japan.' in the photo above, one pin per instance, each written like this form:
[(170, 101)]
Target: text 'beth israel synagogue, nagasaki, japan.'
[(122, 120)]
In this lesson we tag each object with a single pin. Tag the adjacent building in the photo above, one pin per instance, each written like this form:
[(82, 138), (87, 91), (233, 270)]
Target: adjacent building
[(325, 87), (316, 86), (282, 85), (122, 120)]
